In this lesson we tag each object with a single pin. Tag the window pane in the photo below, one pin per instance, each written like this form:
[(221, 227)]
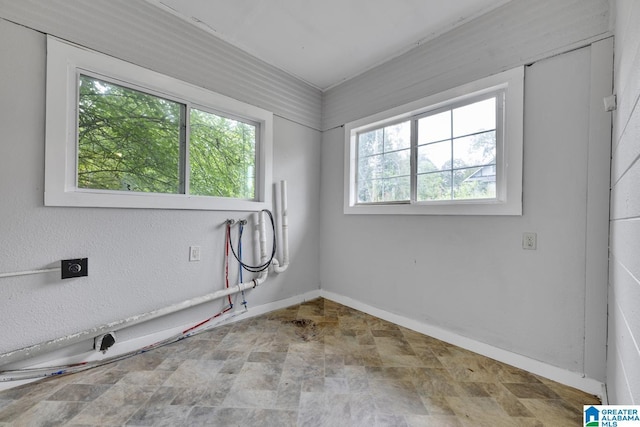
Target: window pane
[(456, 154), (475, 183), (384, 190), (475, 150), (384, 164), (127, 140), (222, 156), (477, 117), (370, 142), (397, 137), (397, 163), (433, 157), (434, 128), (366, 191), (371, 167), (396, 189), (434, 186)]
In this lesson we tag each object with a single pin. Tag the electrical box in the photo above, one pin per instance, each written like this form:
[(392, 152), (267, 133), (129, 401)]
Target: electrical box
[(104, 342), (74, 267)]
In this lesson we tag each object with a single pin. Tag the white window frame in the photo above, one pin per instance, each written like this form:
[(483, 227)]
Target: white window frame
[(508, 200), (64, 62)]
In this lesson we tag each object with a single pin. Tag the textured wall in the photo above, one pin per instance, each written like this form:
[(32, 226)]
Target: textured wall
[(138, 258), (470, 275), (623, 362)]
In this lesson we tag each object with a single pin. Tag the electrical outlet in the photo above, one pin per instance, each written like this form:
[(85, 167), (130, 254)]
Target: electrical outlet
[(529, 241), (194, 253), (74, 268)]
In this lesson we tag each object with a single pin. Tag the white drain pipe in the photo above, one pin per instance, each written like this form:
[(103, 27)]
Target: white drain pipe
[(284, 221), (55, 344)]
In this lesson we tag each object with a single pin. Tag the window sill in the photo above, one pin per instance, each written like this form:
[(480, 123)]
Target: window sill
[(102, 199), (469, 207)]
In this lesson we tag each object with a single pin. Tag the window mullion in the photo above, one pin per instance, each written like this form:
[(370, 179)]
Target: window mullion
[(414, 161), (184, 149), (452, 165)]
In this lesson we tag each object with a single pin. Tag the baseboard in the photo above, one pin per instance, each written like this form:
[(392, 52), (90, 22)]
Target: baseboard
[(554, 373), (124, 347), (563, 376)]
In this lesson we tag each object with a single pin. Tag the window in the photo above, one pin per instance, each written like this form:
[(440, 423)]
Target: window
[(119, 135), (458, 152)]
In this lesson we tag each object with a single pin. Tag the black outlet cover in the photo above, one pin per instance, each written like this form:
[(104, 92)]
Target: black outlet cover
[(74, 267)]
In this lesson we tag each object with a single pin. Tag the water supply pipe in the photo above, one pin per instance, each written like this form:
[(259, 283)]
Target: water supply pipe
[(261, 253), (34, 350), (55, 344)]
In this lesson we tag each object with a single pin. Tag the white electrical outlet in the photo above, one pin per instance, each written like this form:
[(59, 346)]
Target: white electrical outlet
[(529, 241), (194, 253)]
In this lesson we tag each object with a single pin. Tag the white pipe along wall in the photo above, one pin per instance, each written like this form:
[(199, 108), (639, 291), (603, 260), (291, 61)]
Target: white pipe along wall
[(284, 224), (260, 237), (28, 272)]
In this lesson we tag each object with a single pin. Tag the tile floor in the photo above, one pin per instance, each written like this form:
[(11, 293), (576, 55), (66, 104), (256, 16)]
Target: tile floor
[(315, 364)]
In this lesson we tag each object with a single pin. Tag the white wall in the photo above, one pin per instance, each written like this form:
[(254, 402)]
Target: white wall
[(469, 275), (623, 362), (138, 258), (545, 305)]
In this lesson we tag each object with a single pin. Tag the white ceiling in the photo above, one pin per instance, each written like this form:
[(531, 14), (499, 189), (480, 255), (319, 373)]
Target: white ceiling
[(325, 42)]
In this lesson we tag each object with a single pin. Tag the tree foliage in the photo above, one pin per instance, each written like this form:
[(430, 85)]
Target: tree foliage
[(384, 172), (221, 156), (134, 141)]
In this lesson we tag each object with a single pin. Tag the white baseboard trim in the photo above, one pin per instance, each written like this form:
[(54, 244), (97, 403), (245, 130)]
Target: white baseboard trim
[(563, 376)]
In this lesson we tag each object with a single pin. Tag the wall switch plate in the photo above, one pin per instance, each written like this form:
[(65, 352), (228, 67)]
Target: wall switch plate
[(529, 241), (74, 267), (194, 253)]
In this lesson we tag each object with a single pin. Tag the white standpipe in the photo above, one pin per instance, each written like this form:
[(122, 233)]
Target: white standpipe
[(284, 221), (260, 236)]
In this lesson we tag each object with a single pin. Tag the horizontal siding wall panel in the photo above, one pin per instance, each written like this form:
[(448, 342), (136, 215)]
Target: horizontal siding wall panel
[(617, 375), (625, 197), (624, 330), (627, 149), (624, 323), (628, 36), (626, 294), (623, 368), (625, 245), (627, 109), (629, 386), (517, 33), (138, 32)]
